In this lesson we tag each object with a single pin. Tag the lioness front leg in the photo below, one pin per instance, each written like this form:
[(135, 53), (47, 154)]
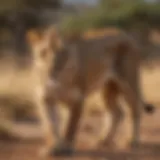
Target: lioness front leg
[(46, 127), (111, 93), (66, 147)]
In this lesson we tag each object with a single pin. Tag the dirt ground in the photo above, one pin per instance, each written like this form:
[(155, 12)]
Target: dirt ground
[(94, 128)]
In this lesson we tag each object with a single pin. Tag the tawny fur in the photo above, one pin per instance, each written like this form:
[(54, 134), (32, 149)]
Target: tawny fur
[(110, 62)]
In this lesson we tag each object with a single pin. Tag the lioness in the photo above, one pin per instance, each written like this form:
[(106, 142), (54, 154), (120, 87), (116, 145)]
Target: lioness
[(110, 62), (26, 56)]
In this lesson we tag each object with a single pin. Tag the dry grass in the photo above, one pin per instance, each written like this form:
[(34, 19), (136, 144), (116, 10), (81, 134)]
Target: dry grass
[(101, 32)]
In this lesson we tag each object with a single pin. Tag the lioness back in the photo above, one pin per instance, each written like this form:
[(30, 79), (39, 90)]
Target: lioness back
[(94, 60)]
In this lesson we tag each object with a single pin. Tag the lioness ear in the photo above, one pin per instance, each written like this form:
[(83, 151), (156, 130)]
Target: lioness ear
[(55, 38), (33, 37)]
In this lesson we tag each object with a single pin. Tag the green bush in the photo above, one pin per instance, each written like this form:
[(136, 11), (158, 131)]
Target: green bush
[(124, 14)]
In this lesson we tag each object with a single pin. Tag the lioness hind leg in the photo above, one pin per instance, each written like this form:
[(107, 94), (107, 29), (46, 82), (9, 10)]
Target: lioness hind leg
[(111, 93), (133, 99)]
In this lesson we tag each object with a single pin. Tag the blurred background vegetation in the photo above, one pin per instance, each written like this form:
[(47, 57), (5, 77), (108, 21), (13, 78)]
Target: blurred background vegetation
[(137, 17), (140, 18)]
